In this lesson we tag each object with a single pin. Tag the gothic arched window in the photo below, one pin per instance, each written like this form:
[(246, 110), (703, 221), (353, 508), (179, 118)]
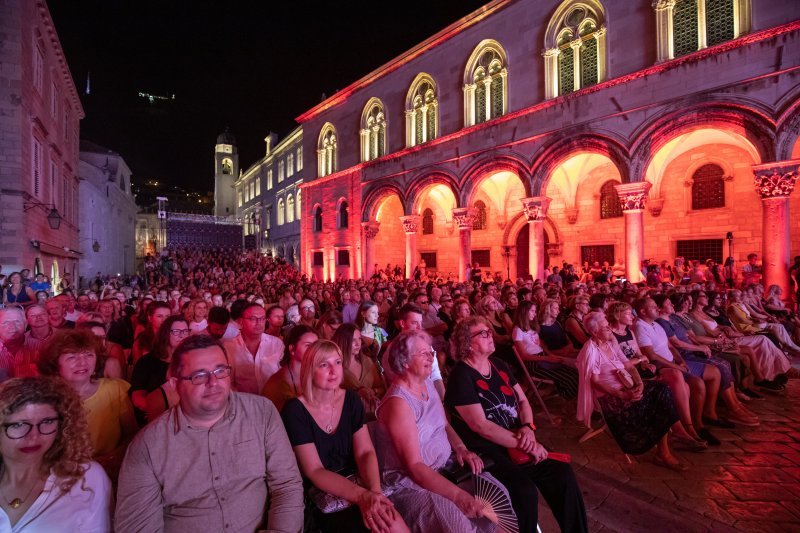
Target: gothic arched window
[(373, 131), (574, 49), (609, 200), (326, 151), (485, 84), (708, 187), (427, 222), (299, 210), (480, 215), (290, 209), (697, 24), (342, 215), (281, 211), (422, 111), (318, 218), (227, 166)]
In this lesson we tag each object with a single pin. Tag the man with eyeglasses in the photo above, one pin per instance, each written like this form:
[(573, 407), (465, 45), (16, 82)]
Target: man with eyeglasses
[(18, 353), (218, 461), (254, 354)]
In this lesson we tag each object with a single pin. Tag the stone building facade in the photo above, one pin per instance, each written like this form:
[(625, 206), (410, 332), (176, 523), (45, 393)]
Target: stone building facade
[(269, 199), (39, 119), (108, 214), (536, 131)]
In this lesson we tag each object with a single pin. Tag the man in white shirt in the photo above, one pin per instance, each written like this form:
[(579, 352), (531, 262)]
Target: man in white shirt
[(254, 355)]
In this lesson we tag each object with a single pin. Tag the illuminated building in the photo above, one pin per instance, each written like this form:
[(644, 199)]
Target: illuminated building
[(108, 214), (226, 168), (536, 131), (269, 200), (39, 118)]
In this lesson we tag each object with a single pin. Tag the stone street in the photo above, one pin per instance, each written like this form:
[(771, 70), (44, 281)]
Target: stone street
[(751, 482)]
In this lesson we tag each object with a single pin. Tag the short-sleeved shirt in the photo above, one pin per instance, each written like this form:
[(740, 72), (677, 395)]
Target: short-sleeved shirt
[(673, 328), (495, 394), (529, 339), (653, 335), (335, 449)]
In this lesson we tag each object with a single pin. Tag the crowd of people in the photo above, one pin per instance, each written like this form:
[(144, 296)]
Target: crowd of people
[(225, 391)]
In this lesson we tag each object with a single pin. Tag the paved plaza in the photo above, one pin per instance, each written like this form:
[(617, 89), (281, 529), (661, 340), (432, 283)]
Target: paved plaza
[(751, 482)]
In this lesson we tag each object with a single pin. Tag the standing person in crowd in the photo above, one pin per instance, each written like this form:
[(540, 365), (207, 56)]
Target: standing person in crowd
[(361, 374), (285, 383), (56, 315), (417, 443), (327, 429), (151, 393), (49, 472), (255, 355), (39, 325), (75, 357), (492, 415), (217, 461), (17, 292), (18, 352)]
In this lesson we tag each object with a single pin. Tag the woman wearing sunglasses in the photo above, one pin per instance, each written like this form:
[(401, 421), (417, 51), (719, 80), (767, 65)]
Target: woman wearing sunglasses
[(48, 481)]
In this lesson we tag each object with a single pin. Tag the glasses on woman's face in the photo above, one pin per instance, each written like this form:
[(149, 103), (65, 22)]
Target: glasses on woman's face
[(484, 334), (180, 332), (426, 354), (18, 430)]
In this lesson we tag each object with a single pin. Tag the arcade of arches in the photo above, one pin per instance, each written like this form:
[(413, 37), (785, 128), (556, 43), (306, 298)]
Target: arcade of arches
[(697, 186)]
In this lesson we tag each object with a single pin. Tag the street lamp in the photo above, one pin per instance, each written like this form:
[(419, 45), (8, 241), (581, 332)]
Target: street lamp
[(53, 217), (507, 255)]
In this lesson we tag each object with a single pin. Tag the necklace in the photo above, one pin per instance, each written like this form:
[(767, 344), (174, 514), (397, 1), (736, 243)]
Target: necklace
[(329, 427), (472, 365), (17, 502)]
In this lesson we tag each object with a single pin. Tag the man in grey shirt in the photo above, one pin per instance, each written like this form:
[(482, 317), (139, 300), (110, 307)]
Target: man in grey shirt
[(218, 461)]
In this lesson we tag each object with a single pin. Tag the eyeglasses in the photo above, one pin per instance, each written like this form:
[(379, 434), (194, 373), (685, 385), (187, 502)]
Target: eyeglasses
[(255, 319), (17, 430), (307, 308), (180, 332), (484, 334), (427, 354), (202, 378), (423, 302)]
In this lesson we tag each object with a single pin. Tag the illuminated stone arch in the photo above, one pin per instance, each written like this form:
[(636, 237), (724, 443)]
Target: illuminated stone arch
[(422, 110), (422, 182), (373, 130), (373, 198), (575, 47), (653, 135), (471, 179), (511, 238), (788, 136), (382, 208), (550, 157), (485, 83)]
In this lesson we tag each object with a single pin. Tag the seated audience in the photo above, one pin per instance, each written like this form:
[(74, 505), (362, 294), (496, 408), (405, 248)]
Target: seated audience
[(255, 355), (285, 383), (361, 374)]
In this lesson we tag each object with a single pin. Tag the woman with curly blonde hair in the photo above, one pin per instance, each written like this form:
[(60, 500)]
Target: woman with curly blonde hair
[(48, 481)]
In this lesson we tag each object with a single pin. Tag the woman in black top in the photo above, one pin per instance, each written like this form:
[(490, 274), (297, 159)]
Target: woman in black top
[(326, 427), (493, 416)]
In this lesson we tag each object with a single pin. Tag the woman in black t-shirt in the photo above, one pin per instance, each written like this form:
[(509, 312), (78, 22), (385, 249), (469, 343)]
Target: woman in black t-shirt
[(492, 416), (326, 427)]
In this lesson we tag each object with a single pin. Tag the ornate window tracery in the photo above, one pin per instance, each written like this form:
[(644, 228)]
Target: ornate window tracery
[(373, 131), (485, 84), (326, 151), (422, 111)]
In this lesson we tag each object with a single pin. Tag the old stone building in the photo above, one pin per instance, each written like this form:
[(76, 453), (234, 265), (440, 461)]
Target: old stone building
[(536, 131)]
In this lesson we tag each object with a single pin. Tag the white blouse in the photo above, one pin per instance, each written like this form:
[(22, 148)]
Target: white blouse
[(85, 508)]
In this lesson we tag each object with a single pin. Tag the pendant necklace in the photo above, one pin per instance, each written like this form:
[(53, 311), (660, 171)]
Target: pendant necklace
[(329, 427), (17, 502)]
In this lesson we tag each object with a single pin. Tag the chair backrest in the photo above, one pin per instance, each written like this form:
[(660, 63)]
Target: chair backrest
[(524, 368)]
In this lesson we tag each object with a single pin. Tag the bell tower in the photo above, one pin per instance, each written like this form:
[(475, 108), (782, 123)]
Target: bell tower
[(226, 171)]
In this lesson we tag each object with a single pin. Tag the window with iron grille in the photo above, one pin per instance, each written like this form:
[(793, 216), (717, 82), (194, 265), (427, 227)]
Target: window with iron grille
[(319, 259), (609, 201), (719, 21), (343, 257), (482, 257), (700, 250), (684, 24), (480, 215), (708, 187), (566, 71), (427, 222), (599, 253), (429, 258), (480, 102), (589, 62)]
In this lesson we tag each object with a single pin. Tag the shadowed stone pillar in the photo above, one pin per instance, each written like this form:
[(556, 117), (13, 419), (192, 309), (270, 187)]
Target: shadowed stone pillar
[(775, 182), (410, 226), (632, 198), (463, 217), (370, 230), (535, 209)]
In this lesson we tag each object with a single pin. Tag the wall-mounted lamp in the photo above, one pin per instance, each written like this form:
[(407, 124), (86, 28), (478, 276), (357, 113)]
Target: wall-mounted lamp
[(53, 217)]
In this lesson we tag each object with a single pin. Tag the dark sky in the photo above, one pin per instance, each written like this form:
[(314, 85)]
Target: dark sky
[(251, 65)]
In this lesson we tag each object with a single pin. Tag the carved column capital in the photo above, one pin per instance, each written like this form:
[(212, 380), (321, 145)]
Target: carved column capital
[(776, 179), (464, 217), (633, 196), (551, 52), (660, 5), (410, 224), (370, 229), (535, 208)]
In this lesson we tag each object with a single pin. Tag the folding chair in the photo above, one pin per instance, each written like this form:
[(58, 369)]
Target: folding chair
[(532, 383), (592, 433)]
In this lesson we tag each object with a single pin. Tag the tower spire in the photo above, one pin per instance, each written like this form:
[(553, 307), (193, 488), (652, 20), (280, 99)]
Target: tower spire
[(88, 82)]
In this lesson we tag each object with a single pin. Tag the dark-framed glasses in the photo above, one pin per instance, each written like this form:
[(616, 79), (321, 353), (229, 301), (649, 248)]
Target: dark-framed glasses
[(484, 334), (180, 332), (202, 378), (255, 319), (18, 430)]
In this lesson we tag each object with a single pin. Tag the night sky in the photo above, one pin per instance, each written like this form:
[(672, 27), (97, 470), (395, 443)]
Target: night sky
[(251, 65)]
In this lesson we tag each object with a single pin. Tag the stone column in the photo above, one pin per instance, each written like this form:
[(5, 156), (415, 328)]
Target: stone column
[(775, 182), (633, 197), (370, 231), (410, 226), (664, 29), (535, 209), (463, 217)]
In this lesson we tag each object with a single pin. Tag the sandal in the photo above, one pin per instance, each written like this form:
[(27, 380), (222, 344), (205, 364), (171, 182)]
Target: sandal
[(689, 444), (675, 467)]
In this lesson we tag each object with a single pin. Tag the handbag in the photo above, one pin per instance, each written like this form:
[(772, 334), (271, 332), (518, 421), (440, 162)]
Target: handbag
[(625, 378), (327, 503), (458, 474)]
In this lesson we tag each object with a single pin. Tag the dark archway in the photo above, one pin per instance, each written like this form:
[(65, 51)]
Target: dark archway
[(523, 248)]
